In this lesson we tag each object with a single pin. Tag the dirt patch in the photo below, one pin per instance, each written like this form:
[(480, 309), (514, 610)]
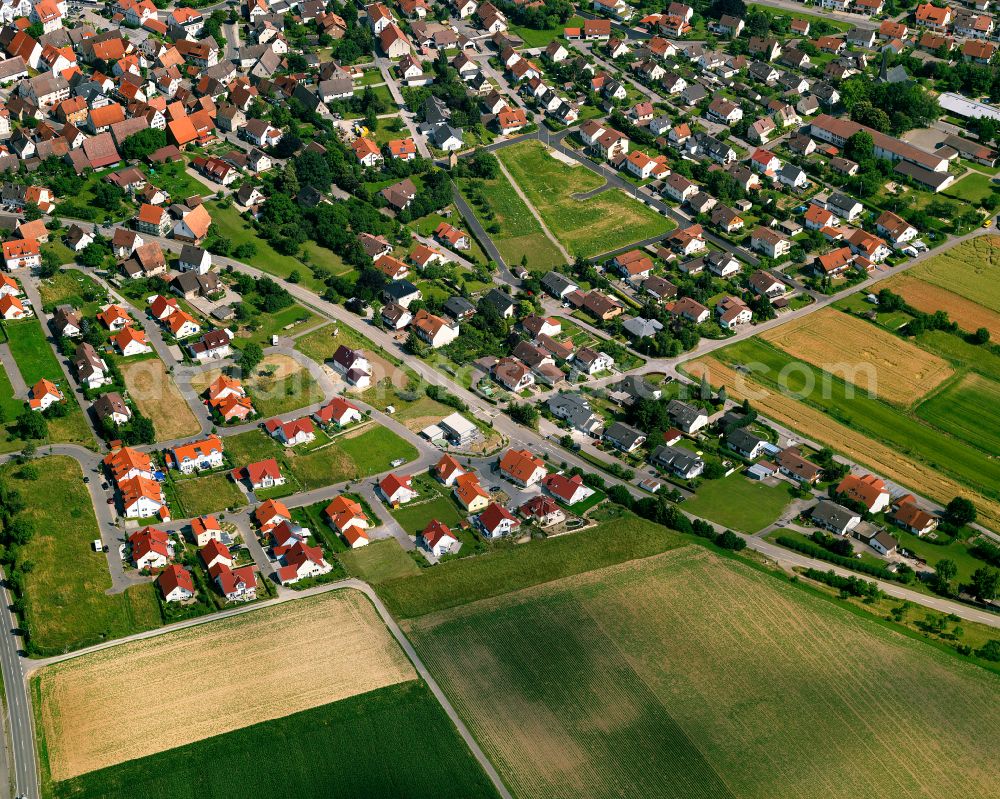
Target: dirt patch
[(279, 365), (420, 422), (157, 396), (134, 700), (818, 426), (929, 298), (870, 358)]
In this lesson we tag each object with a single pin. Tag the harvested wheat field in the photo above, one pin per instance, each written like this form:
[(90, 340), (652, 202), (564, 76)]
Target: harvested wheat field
[(158, 397), (843, 345), (971, 269), (686, 675), (923, 296), (148, 696), (818, 426)]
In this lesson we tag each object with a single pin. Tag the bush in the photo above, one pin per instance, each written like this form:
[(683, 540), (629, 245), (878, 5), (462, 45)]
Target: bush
[(808, 548), (849, 585)]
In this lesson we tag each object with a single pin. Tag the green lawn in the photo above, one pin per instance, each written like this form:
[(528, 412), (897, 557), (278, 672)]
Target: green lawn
[(73, 287), (973, 188), (382, 731), (203, 495), (66, 607), (969, 409), (812, 18), (881, 421), (174, 179), (533, 37), (519, 233), (739, 502), (585, 227), (434, 502), (509, 569), (294, 317), (351, 456), (379, 561)]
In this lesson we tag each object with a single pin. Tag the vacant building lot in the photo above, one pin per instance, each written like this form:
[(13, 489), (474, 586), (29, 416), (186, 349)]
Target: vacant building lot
[(157, 397), (66, 606), (520, 235), (874, 360), (927, 297), (910, 453), (686, 675), (280, 384), (604, 222), (148, 696), (971, 269)]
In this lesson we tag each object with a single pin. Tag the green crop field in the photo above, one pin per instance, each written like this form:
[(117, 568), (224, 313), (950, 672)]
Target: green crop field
[(971, 269), (66, 607), (739, 502), (509, 569), (969, 409), (890, 425), (520, 234), (586, 227), (961, 353), (689, 675), (394, 741)]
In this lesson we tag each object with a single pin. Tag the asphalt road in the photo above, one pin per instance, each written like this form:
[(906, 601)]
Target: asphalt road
[(20, 719)]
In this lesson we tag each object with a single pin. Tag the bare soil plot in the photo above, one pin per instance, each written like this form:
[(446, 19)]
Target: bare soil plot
[(280, 384), (156, 394), (846, 347), (156, 694), (929, 298), (971, 269), (818, 426), (687, 675)]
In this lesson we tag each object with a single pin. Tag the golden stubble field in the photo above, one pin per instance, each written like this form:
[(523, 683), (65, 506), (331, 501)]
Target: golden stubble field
[(820, 427), (971, 269), (687, 675), (827, 338), (144, 697), (159, 398), (929, 298)]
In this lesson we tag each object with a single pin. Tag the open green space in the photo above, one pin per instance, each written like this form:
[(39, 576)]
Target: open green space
[(969, 409), (66, 606), (379, 561), (690, 675), (891, 425), (973, 188), (199, 496), (970, 269), (277, 388), (600, 224), (285, 322), (434, 502), (36, 360), (518, 234), (358, 453), (173, 178), (386, 733), (509, 569), (72, 287), (240, 231), (739, 502), (534, 37)]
